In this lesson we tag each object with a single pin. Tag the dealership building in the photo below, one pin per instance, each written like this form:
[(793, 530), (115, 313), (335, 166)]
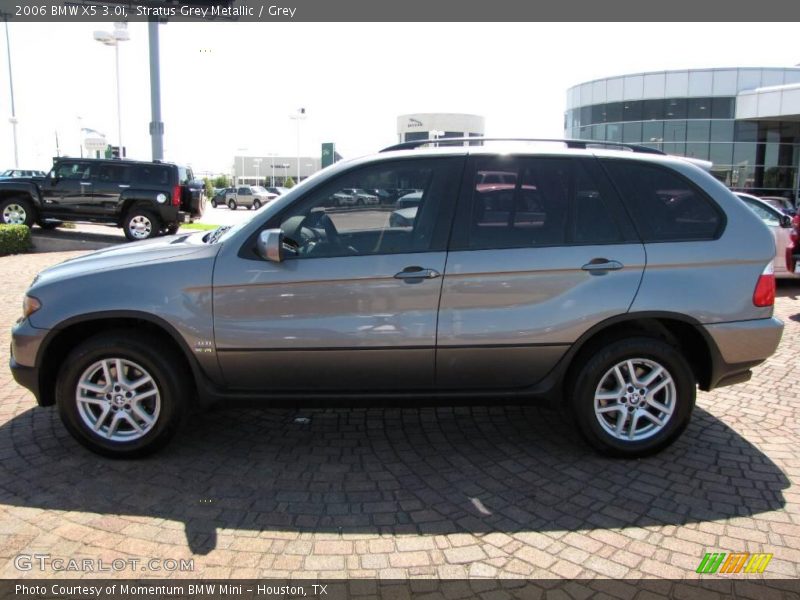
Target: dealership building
[(433, 126), (746, 121)]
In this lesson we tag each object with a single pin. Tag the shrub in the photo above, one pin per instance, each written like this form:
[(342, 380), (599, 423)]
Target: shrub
[(14, 239)]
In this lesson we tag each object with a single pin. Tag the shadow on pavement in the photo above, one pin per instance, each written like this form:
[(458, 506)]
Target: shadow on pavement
[(394, 471)]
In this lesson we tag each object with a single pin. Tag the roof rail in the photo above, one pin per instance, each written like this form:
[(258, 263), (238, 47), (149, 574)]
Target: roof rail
[(577, 144)]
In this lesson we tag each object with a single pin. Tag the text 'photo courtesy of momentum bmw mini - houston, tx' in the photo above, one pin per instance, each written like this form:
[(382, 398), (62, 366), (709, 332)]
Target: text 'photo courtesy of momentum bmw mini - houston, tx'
[(608, 279)]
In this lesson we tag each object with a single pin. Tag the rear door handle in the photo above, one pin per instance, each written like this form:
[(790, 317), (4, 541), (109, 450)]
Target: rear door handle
[(86, 183), (417, 273), (124, 185), (602, 264)]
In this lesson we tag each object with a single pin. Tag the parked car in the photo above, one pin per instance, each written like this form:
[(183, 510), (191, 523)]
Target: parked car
[(251, 196), (611, 282), (780, 224), (220, 195), (782, 204), (406, 210), (14, 173), (360, 197), (278, 191), (146, 199)]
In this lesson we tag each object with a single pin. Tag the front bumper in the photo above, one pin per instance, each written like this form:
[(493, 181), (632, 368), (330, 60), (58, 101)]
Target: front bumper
[(26, 341), (739, 346)]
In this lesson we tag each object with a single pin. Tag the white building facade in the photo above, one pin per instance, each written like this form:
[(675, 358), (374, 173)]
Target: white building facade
[(746, 121)]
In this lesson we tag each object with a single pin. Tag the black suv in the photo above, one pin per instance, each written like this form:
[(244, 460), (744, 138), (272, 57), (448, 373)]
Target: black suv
[(146, 199)]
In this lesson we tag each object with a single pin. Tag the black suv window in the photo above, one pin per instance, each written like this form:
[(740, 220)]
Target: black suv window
[(664, 205), (111, 173), (185, 175), (73, 170), (152, 174), (530, 202)]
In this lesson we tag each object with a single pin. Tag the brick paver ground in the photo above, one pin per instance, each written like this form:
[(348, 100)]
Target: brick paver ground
[(395, 493)]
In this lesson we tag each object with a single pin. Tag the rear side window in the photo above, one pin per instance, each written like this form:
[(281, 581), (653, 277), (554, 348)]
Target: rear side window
[(664, 205), (151, 174), (531, 202)]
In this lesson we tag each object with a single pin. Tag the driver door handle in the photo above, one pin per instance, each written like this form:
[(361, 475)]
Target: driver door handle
[(602, 264), (417, 273)]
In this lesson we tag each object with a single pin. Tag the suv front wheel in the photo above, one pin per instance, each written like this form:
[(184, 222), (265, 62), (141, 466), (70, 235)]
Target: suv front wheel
[(140, 224), (121, 394), (634, 397)]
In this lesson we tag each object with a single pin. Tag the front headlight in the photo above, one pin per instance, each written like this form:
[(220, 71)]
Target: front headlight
[(29, 306)]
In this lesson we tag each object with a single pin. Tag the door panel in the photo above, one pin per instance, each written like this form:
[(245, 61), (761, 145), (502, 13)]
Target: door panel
[(311, 324), (541, 252), (517, 311), (354, 305)]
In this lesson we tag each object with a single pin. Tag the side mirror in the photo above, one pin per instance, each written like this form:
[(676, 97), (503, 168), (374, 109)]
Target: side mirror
[(786, 221), (270, 245)]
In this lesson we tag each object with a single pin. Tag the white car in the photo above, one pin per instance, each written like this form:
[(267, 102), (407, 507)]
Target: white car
[(251, 196), (781, 227)]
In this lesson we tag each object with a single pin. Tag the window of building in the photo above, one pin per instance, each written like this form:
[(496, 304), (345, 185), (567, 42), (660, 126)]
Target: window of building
[(632, 133), (675, 108), (699, 108), (632, 110), (722, 108), (697, 130)]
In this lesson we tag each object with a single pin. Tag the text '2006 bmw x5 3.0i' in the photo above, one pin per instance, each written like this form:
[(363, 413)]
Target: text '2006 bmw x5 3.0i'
[(613, 282)]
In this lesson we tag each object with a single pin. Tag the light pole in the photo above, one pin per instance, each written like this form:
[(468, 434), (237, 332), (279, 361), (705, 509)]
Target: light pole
[(13, 119), (120, 34), (301, 115), (272, 180), (257, 161), (242, 150)]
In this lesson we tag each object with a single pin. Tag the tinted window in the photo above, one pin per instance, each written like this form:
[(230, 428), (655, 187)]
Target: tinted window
[(536, 202), (663, 204), (151, 174), (111, 173)]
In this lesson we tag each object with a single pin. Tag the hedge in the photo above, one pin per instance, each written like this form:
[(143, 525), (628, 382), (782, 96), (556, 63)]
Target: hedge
[(14, 239)]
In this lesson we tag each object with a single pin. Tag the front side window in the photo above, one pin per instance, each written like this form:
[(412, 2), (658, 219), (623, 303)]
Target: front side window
[(664, 205), (390, 208), (73, 170)]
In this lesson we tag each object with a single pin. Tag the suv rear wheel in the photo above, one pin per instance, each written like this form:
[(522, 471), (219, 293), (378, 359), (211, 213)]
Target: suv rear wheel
[(121, 395), (232, 204), (140, 224), (256, 204), (634, 397), (17, 211)]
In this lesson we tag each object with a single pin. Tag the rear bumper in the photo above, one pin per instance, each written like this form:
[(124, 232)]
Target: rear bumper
[(739, 346)]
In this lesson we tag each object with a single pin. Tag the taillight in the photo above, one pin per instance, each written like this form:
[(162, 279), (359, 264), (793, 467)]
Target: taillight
[(790, 261), (176, 196), (764, 294)]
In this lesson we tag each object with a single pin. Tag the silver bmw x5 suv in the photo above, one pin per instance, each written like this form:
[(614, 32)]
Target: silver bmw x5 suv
[(612, 282)]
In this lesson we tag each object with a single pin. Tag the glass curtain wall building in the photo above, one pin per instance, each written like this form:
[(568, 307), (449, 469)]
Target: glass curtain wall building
[(746, 121)]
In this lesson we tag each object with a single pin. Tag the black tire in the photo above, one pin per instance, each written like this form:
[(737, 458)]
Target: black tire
[(50, 225), (172, 229), (140, 224), (640, 434), (17, 211), (139, 355), (232, 204), (256, 204), (213, 204)]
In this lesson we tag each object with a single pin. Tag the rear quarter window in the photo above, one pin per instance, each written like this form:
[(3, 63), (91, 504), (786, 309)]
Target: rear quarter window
[(152, 175), (664, 205)]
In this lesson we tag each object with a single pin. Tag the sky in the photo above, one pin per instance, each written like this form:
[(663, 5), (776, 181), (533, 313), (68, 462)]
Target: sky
[(232, 86)]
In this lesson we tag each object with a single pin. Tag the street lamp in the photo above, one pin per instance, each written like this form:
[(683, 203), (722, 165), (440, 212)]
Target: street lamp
[(300, 116), (242, 150), (120, 34), (13, 119), (272, 180), (257, 161)]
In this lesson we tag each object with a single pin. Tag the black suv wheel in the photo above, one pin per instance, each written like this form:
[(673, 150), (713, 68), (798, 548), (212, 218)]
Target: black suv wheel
[(140, 224), (17, 211)]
